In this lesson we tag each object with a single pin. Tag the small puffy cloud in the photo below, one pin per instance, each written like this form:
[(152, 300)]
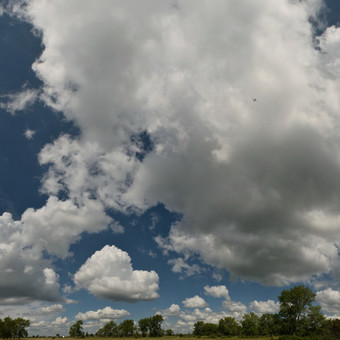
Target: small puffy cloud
[(173, 310), (108, 274), (180, 266), (67, 289), (29, 134), (19, 101), (329, 300), (51, 278), (106, 313), (262, 307), (117, 228), (59, 321), (187, 319), (194, 302), (217, 276), (217, 291), (235, 309), (52, 309)]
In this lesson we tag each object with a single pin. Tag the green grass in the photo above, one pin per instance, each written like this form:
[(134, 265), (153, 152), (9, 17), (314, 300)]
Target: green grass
[(171, 338)]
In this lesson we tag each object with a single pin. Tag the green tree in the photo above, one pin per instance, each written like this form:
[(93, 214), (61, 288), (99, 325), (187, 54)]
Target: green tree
[(198, 328), (110, 329), (169, 332), (144, 326), (294, 307), (1, 328), (8, 328), (155, 326), (76, 330), (228, 326), (210, 329), (333, 328), (250, 324), (269, 324), (127, 328), (315, 321), (19, 328)]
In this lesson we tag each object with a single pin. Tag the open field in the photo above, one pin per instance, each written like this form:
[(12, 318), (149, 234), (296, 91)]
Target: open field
[(172, 338)]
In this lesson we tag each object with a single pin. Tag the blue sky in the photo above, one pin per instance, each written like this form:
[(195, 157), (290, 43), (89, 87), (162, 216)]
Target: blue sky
[(139, 175)]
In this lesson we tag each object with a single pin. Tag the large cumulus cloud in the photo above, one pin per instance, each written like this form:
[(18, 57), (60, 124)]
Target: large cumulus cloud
[(108, 274), (257, 182), (50, 230)]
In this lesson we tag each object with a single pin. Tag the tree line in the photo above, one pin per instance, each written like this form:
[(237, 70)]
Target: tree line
[(13, 328), (151, 326), (298, 317)]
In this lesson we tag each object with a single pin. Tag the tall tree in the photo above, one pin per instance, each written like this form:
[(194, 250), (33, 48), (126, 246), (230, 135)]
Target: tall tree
[(228, 326), (127, 328), (294, 307), (250, 324), (210, 329), (198, 328), (144, 326), (315, 321), (20, 325), (155, 327), (269, 324), (8, 328), (76, 330), (110, 329), (1, 328)]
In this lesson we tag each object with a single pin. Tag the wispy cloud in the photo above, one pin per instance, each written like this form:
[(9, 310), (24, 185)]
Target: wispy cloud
[(19, 101)]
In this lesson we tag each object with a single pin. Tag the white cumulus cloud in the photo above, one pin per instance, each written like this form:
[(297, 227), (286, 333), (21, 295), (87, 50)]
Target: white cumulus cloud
[(59, 321), (262, 307), (52, 309), (194, 302), (235, 309), (51, 229), (217, 291), (108, 274), (106, 313), (173, 310), (329, 300)]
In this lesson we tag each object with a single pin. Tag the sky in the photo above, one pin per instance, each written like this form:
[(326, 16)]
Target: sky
[(178, 157)]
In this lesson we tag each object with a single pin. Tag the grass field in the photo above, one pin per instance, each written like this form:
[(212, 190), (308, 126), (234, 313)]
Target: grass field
[(171, 338)]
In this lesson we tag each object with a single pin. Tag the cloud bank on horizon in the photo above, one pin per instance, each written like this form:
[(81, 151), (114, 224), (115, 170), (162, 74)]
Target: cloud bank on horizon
[(257, 182)]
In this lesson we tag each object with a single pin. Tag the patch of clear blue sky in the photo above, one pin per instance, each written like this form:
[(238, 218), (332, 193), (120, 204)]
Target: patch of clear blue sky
[(333, 12)]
